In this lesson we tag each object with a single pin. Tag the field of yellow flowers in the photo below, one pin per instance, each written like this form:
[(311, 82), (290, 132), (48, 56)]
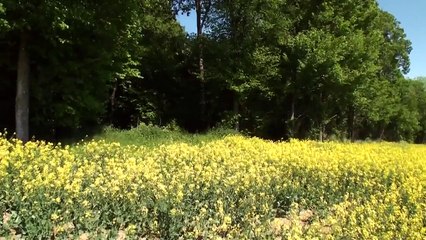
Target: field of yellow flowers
[(233, 188)]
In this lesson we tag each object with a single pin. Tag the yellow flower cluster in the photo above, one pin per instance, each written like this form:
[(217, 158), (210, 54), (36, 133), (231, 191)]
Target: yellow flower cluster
[(234, 188)]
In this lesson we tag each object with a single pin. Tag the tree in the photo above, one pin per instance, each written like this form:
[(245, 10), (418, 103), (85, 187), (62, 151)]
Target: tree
[(155, 96), (303, 68), (272, 68), (379, 99), (38, 26), (247, 60), (203, 9)]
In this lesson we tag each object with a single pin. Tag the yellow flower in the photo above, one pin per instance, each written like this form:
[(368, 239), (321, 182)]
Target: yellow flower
[(361, 190), (54, 217)]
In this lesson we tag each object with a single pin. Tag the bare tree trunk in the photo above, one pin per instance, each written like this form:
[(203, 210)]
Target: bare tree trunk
[(202, 85), (198, 7), (350, 124), (321, 133), (237, 114), (291, 123), (112, 101), (293, 108), (382, 131), (23, 91), (321, 125)]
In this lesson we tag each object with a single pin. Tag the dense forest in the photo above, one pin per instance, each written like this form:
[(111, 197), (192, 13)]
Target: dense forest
[(277, 69)]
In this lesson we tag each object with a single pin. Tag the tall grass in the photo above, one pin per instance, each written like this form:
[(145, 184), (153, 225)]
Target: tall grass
[(152, 136)]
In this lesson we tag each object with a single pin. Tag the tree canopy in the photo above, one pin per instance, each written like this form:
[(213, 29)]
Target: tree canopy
[(277, 69)]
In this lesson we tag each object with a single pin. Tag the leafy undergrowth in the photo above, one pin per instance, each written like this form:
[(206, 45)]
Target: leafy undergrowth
[(231, 188), (152, 136)]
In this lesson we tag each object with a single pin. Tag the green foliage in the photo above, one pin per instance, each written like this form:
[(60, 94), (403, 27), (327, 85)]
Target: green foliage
[(420, 79), (3, 22), (148, 98), (152, 136), (76, 50), (275, 69), (302, 69)]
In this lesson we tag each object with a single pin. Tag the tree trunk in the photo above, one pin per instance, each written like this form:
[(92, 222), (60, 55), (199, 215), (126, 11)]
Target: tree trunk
[(202, 86), (321, 133), (382, 131), (293, 108), (322, 116), (236, 114), (291, 123), (201, 60), (351, 124), (23, 91), (112, 102)]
